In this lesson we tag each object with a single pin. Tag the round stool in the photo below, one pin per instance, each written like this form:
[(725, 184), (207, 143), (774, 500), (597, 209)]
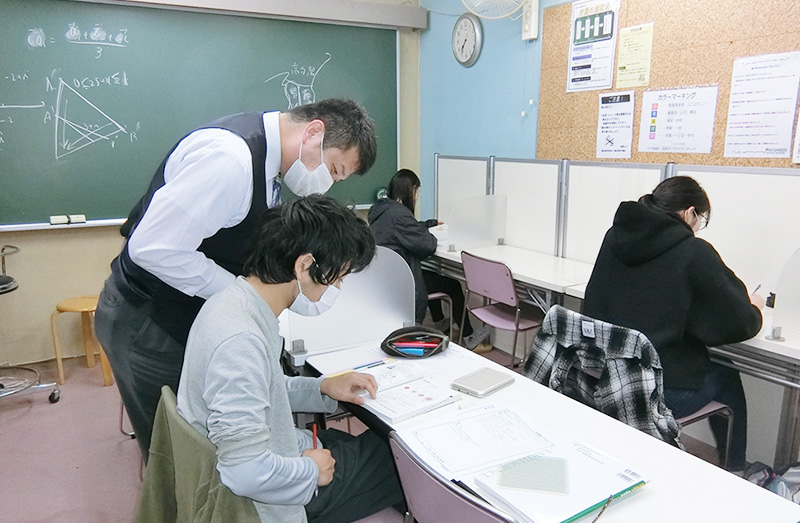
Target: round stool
[(86, 305)]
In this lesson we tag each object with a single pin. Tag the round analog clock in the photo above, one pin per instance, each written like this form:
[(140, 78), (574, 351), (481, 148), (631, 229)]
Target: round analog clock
[(467, 39)]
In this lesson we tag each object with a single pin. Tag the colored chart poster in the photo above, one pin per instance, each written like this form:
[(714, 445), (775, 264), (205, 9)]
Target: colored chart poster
[(593, 40), (635, 51), (762, 106), (678, 120), (615, 125)]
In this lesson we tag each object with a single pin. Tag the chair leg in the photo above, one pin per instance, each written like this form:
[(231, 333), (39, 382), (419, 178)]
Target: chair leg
[(514, 363), (463, 319), (88, 337), (121, 424), (726, 459), (57, 346)]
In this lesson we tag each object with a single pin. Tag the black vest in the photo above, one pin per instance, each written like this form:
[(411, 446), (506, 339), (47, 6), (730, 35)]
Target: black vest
[(171, 309)]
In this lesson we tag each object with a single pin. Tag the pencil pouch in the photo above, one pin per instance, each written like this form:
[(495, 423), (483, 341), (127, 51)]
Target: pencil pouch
[(415, 342)]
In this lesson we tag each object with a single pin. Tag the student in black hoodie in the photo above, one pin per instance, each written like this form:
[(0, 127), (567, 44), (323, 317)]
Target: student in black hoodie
[(394, 225), (653, 275)]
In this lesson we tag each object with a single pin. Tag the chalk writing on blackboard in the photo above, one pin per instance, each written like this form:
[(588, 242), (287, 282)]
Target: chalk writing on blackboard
[(80, 123), (298, 82)]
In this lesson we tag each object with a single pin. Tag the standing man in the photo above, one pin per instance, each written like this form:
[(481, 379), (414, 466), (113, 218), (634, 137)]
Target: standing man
[(189, 234)]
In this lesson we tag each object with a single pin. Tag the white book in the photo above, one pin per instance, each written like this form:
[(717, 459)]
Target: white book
[(404, 392), (561, 484)]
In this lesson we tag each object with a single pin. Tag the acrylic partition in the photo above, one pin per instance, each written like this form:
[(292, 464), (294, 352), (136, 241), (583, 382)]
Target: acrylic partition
[(371, 304), (532, 212), (787, 303), (456, 178), (594, 192), (754, 219), (477, 221)]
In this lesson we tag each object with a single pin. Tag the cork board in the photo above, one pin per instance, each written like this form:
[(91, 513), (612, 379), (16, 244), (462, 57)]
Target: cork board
[(694, 43)]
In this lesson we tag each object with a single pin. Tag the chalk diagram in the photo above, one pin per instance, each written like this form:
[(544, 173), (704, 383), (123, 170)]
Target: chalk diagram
[(298, 83), (79, 123)]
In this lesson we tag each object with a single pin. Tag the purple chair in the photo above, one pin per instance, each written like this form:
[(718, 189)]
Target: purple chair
[(493, 281), (433, 499)]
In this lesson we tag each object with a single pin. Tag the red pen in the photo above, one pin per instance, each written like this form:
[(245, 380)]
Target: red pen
[(314, 432), (416, 344)]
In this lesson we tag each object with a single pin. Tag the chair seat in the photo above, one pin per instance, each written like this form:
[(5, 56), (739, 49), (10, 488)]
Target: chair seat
[(80, 304), (501, 316), (713, 407)]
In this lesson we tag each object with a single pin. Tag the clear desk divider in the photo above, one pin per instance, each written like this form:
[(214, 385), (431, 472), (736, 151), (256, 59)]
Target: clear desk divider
[(786, 318), (477, 221)]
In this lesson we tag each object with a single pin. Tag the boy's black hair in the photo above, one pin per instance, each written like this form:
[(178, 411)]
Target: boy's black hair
[(347, 125), (340, 242)]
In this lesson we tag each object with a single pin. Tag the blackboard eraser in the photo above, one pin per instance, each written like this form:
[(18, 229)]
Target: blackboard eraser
[(77, 218), (59, 219)]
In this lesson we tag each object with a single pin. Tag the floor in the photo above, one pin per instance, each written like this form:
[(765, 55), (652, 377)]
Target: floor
[(68, 462)]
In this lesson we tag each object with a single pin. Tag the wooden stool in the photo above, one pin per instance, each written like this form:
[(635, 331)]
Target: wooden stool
[(86, 305)]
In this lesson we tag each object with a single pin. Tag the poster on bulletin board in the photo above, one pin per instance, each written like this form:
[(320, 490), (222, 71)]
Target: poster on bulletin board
[(592, 45)]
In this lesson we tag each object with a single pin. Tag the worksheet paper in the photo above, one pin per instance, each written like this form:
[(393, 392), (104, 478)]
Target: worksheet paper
[(762, 106), (476, 438), (678, 120)]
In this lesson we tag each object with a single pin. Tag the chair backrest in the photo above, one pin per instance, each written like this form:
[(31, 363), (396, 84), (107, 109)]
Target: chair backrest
[(489, 278), (433, 499), (611, 368), (181, 480)]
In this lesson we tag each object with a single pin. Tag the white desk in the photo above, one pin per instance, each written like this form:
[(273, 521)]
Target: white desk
[(682, 488), (532, 270), (777, 362)]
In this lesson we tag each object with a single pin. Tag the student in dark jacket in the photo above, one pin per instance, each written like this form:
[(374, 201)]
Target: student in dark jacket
[(393, 223), (653, 275)]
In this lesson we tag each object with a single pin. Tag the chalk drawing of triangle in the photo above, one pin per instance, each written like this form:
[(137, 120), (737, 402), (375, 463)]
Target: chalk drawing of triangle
[(79, 122)]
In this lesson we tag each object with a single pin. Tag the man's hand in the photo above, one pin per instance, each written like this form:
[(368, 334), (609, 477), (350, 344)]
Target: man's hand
[(349, 386), (325, 463)]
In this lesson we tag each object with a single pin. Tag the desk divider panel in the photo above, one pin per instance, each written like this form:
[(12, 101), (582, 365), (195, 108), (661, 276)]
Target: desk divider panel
[(531, 189), (754, 219), (457, 178), (477, 221), (594, 191)]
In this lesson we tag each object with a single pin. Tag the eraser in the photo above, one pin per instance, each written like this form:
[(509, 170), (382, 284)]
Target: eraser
[(77, 218), (59, 219)]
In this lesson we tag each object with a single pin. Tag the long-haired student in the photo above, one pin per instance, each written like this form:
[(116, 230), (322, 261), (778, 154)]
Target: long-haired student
[(393, 222), (654, 275)]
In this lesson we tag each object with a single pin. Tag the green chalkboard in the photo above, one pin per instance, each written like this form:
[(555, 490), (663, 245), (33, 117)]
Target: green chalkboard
[(92, 96)]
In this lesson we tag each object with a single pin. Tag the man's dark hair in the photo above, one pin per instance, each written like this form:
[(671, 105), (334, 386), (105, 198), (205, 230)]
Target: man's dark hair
[(347, 125), (401, 187), (340, 242)]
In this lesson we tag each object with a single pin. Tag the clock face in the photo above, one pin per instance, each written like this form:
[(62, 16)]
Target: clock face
[(467, 39)]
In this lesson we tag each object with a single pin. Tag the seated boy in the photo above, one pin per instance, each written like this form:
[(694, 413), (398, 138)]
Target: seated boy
[(233, 390)]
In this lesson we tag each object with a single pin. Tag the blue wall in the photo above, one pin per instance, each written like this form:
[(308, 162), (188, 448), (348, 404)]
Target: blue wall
[(476, 111)]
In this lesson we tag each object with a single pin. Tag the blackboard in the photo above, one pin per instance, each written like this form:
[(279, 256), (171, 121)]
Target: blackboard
[(92, 96)]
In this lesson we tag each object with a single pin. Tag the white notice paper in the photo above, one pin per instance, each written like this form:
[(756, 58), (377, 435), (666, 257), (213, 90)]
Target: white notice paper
[(796, 155), (678, 120), (615, 125), (762, 106), (592, 45)]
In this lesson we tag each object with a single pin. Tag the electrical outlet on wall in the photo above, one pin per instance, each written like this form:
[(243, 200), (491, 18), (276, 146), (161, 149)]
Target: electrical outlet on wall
[(530, 19)]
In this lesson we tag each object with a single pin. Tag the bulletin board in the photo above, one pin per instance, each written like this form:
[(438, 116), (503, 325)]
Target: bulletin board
[(695, 43)]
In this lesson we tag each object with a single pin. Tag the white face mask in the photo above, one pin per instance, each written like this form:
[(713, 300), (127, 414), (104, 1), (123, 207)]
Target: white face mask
[(305, 307), (302, 181)]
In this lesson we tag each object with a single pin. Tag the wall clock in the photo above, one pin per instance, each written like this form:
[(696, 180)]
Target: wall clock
[(467, 39)]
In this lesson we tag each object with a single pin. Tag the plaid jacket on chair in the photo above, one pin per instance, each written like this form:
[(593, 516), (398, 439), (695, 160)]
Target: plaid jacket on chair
[(610, 368)]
